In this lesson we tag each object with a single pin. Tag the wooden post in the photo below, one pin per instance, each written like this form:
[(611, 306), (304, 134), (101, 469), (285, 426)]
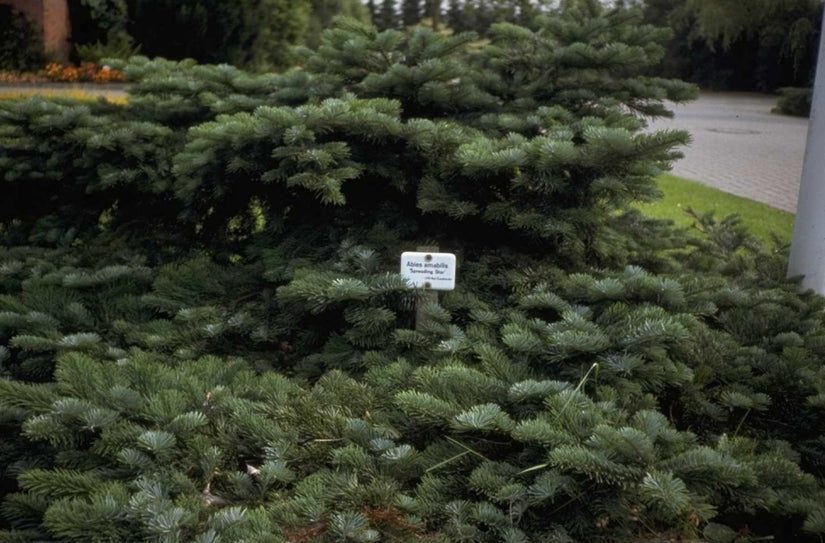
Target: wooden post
[(428, 296)]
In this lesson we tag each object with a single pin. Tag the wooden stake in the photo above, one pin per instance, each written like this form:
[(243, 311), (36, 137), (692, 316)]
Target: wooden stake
[(426, 297)]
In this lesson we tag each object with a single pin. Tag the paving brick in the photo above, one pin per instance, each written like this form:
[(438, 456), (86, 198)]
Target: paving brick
[(740, 147)]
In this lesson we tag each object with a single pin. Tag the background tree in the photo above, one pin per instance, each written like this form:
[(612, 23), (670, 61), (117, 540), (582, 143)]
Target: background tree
[(411, 11), (21, 47), (387, 15), (785, 33), (478, 15), (454, 15), (322, 13), (433, 11), (751, 46), (372, 7), (257, 34), (95, 20)]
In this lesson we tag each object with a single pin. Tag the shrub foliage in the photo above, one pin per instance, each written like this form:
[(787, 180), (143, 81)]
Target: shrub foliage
[(20, 44), (205, 338)]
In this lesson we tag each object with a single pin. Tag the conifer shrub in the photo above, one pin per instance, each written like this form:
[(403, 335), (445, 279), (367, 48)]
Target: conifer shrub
[(204, 337), (21, 48), (794, 101)]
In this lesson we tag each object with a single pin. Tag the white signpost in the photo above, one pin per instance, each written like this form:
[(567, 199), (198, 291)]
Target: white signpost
[(430, 271)]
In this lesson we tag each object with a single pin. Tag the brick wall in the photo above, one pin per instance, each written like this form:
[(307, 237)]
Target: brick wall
[(57, 34), (52, 16)]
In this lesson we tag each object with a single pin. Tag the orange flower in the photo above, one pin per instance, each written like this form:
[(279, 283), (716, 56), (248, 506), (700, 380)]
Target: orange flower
[(87, 71)]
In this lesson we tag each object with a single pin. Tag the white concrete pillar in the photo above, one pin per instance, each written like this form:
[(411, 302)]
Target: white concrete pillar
[(808, 242)]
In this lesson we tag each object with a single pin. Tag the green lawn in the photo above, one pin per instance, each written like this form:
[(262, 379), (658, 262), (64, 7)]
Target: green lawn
[(681, 194)]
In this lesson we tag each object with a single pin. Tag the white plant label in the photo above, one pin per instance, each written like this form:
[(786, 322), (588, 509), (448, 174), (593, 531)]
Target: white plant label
[(435, 271)]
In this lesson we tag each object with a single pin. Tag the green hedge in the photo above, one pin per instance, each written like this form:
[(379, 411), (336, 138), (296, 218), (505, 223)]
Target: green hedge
[(794, 101)]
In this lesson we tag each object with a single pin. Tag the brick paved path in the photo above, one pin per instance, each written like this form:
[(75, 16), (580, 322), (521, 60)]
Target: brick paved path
[(740, 147), (112, 90)]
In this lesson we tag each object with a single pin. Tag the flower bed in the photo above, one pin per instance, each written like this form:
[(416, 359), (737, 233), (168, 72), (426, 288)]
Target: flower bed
[(86, 72), (22, 77)]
